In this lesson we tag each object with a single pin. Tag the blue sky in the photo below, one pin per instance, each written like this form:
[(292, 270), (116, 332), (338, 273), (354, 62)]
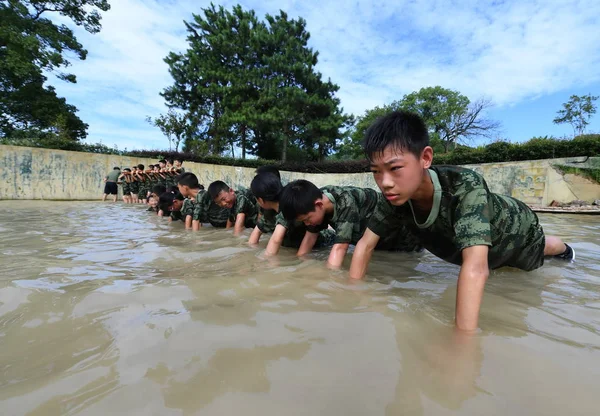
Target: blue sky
[(528, 57)]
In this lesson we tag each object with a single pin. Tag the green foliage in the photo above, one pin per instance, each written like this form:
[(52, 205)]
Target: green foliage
[(173, 125), (252, 83), (30, 43), (536, 148), (450, 116), (577, 112), (590, 173)]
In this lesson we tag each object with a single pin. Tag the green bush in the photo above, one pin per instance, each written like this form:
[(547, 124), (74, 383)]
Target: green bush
[(536, 148)]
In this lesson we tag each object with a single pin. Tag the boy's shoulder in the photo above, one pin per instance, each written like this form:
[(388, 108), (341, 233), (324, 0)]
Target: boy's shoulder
[(458, 180), (349, 194)]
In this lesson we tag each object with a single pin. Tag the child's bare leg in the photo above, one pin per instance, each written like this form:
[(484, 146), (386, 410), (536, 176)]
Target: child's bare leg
[(554, 246)]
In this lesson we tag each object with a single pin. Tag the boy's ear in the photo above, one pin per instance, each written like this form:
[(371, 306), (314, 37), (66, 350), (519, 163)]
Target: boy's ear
[(427, 157), (318, 203)]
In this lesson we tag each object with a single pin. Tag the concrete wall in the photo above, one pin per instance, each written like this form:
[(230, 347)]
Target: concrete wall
[(32, 173)]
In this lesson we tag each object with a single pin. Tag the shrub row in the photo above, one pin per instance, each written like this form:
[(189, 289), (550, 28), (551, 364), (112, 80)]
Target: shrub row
[(536, 148)]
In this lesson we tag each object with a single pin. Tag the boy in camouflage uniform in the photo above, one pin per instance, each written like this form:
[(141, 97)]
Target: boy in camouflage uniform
[(347, 209), (452, 211), (242, 205), (125, 182), (267, 187), (200, 208)]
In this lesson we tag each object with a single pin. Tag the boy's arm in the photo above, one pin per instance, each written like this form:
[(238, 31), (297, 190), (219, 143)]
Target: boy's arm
[(188, 222), (229, 223), (196, 225), (362, 254), (337, 254), (276, 240), (471, 282), (255, 236), (239, 223), (308, 242)]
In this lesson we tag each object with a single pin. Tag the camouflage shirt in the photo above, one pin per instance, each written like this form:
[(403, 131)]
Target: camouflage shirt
[(206, 211), (245, 203), (352, 210), (187, 208), (177, 216), (465, 213)]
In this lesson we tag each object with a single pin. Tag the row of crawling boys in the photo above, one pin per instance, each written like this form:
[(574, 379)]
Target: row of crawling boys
[(447, 210)]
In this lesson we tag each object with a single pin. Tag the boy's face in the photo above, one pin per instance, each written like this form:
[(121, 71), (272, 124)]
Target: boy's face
[(226, 199), (177, 164), (161, 165), (184, 190), (399, 174), (153, 201), (177, 204), (315, 217)]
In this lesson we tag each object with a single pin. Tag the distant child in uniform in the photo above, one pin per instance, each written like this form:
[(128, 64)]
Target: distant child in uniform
[(201, 209), (125, 180), (452, 211)]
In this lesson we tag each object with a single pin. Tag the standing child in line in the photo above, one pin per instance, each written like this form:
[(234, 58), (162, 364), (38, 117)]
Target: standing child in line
[(346, 209), (134, 186), (452, 210), (241, 203), (125, 180), (110, 184)]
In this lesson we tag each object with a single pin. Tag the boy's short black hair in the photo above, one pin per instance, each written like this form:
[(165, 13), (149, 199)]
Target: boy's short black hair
[(126, 170), (268, 169), (188, 179), (166, 199), (140, 166), (170, 161), (215, 188), (403, 130), (159, 189), (266, 186), (298, 198), (116, 168), (173, 189), (201, 187), (179, 159), (162, 161)]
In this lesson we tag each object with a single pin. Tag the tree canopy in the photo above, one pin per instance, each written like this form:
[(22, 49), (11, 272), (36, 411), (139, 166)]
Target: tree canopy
[(450, 117), (252, 83), (31, 44), (577, 112)]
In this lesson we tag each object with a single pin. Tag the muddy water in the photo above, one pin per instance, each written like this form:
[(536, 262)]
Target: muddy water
[(105, 309)]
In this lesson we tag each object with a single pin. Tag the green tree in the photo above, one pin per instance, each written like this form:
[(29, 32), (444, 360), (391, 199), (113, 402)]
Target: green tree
[(577, 112), (450, 116), (173, 125), (252, 84), (31, 44)]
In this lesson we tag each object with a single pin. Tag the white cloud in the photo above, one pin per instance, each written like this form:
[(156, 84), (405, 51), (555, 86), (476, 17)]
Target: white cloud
[(376, 51)]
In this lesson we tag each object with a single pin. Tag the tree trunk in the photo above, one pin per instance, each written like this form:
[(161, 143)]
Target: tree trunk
[(285, 144), (243, 142)]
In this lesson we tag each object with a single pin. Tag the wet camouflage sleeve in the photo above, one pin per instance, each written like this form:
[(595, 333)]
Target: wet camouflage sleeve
[(267, 221), (472, 220), (199, 212), (187, 208), (347, 223)]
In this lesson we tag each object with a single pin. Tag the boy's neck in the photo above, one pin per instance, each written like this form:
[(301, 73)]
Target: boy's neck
[(423, 197), (195, 192), (327, 205)]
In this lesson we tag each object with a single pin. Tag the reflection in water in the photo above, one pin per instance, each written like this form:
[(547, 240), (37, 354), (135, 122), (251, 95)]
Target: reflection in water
[(105, 309)]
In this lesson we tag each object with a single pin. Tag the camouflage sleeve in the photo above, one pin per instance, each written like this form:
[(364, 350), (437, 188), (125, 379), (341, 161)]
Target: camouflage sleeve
[(280, 220), (382, 219), (198, 213), (472, 220), (187, 208), (347, 220)]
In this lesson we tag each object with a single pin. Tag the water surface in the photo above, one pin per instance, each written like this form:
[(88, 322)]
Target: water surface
[(106, 309)]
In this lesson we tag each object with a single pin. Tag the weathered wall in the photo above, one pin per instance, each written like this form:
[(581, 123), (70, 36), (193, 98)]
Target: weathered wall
[(32, 173)]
